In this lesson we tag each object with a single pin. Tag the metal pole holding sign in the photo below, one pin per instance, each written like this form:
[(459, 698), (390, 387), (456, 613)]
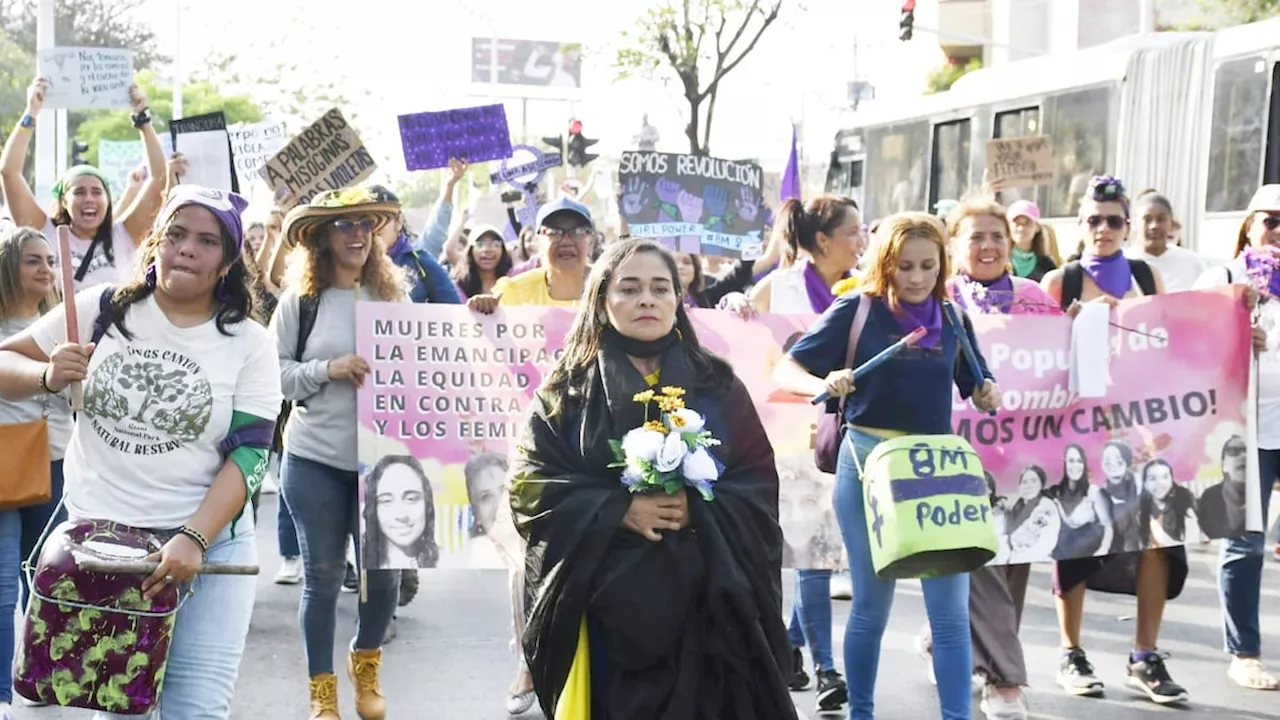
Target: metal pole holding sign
[(46, 130)]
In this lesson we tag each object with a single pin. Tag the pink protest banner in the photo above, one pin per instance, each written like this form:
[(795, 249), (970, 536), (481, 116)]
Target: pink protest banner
[(446, 401), (1153, 453)]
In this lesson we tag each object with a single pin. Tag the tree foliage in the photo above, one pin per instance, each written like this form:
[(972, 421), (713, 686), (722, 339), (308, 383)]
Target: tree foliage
[(91, 23), (198, 98), (699, 42), (941, 79), (1216, 14)]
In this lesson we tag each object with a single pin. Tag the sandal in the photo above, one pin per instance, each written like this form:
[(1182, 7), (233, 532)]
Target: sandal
[(1250, 673)]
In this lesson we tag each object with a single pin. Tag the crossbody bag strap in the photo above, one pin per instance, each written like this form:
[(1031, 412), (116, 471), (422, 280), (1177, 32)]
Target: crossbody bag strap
[(855, 332)]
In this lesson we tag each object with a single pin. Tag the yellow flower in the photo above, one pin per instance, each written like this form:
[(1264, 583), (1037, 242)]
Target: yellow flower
[(347, 197), (655, 426), (845, 286), (671, 391), (643, 397), (670, 404)]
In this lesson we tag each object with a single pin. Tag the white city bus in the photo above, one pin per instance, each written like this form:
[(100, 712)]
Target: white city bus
[(1195, 115)]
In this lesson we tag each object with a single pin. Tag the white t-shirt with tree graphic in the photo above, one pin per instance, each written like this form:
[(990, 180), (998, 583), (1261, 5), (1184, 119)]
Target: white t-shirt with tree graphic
[(145, 450)]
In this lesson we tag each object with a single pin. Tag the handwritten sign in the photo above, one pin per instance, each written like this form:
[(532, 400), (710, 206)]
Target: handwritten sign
[(694, 204), (326, 156), (86, 78), (252, 145), (1020, 162), (203, 141), (474, 134), (928, 507)]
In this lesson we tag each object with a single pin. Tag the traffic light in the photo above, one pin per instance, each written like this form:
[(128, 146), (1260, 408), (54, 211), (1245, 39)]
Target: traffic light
[(907, 24), (78, 150), (578, 144), (557, 142)]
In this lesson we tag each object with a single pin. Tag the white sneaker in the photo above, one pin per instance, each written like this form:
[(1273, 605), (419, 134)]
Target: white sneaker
[(290, 572), (996, 707), (841, 586)]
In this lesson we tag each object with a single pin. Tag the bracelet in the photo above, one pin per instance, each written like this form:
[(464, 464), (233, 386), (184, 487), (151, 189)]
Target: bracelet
[(196, 536), (44, 381), (142, 117), (27, 122)]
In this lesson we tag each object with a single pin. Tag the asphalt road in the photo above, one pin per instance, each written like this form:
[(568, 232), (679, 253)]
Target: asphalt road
[(450, 659)]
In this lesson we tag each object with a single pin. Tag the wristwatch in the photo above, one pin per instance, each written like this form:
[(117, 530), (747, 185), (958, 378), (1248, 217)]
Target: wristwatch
[(142, 117)]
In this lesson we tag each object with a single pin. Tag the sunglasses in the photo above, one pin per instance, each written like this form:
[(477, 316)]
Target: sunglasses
[(351, 227), (1271, 222), (576, 233), (1115, 222), (1234, 450)]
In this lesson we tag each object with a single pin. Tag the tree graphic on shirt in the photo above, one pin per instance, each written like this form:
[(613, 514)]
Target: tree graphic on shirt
[(101, 399), (182, 401)]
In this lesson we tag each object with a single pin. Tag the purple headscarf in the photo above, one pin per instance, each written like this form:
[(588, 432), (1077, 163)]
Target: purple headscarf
[(226, 206)]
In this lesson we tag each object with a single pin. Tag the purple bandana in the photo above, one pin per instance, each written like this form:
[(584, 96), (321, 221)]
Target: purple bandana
[(927, 314), (820, 294), (226, 206), (1262, 266), (402, 245), (985, 296), (1110, 273)]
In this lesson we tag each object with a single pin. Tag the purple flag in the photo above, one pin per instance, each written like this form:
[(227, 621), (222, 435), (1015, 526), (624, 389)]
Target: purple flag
[(791, 178)]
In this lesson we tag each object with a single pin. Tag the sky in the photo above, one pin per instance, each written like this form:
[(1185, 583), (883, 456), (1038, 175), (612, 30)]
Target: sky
[(797, 73)]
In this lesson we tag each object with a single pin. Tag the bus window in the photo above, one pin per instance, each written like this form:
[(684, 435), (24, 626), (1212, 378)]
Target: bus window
[(950, 176), (1079, 124), (899, 179), (1023, 122), (1271, 171), (1236, 138)]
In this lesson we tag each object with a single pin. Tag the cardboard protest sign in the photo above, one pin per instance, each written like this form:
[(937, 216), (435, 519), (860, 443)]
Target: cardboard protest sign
[(86, 78), (252, 145), (694, 204), (204, 142), (474, 134), (1020, 162), (326, 156)]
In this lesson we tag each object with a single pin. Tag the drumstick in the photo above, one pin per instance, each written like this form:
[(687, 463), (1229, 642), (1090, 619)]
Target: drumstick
[(139, 567), (970, 356), (911, 339), (69, 306)]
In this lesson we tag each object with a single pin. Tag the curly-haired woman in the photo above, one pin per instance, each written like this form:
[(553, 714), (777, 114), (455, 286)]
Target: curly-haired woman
[(334, 262)]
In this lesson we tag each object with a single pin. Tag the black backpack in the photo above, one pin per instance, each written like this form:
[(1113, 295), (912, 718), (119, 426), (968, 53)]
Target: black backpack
[(308, 308), (1073, 280)]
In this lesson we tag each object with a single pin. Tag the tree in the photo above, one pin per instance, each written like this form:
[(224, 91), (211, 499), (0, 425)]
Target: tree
[(696, 40), (197, 98), (92, 23), (1216, 14), (419, 189), (941, 79)]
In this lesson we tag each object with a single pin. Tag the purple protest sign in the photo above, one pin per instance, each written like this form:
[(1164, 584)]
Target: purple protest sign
[(474, 134)]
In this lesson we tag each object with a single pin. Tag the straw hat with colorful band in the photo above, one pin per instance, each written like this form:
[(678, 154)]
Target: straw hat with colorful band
[(227, 207), (74, 172), (302, 221)]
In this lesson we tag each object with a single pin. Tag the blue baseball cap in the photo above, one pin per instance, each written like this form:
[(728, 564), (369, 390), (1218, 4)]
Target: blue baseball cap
[(564, 204)]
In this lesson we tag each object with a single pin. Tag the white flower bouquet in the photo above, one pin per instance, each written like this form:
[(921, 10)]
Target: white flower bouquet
[(669, 451)]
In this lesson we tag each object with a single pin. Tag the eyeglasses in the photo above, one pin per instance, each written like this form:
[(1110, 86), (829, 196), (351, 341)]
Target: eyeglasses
[(1271, 222), (577, 233), (1115, 222), (351, 227)]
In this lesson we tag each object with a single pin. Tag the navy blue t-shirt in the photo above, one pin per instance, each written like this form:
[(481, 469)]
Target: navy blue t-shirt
[(910, 392)]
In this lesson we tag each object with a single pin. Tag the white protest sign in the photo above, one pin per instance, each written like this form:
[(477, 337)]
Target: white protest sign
[(116, 159), (252, 145), (86, 78)]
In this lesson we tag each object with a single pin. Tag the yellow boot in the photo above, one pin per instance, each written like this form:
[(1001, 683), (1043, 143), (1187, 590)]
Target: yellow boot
[(324, 697), (362, 668)]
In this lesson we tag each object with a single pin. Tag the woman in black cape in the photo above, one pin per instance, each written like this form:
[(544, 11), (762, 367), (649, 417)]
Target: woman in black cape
[(681, 595)]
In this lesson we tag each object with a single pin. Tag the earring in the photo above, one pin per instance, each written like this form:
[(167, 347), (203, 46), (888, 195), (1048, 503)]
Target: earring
[(151, 276), (220, 292)]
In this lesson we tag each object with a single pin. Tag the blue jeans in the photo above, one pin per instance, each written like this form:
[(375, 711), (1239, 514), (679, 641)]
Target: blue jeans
[(946, 599), (811, 616), (33, 520), (325, 509), (209, 636), (286, 533), (1240, 572), (10, 570)]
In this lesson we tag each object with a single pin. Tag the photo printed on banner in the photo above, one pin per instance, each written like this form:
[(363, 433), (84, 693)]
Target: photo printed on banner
[(694, 204)]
